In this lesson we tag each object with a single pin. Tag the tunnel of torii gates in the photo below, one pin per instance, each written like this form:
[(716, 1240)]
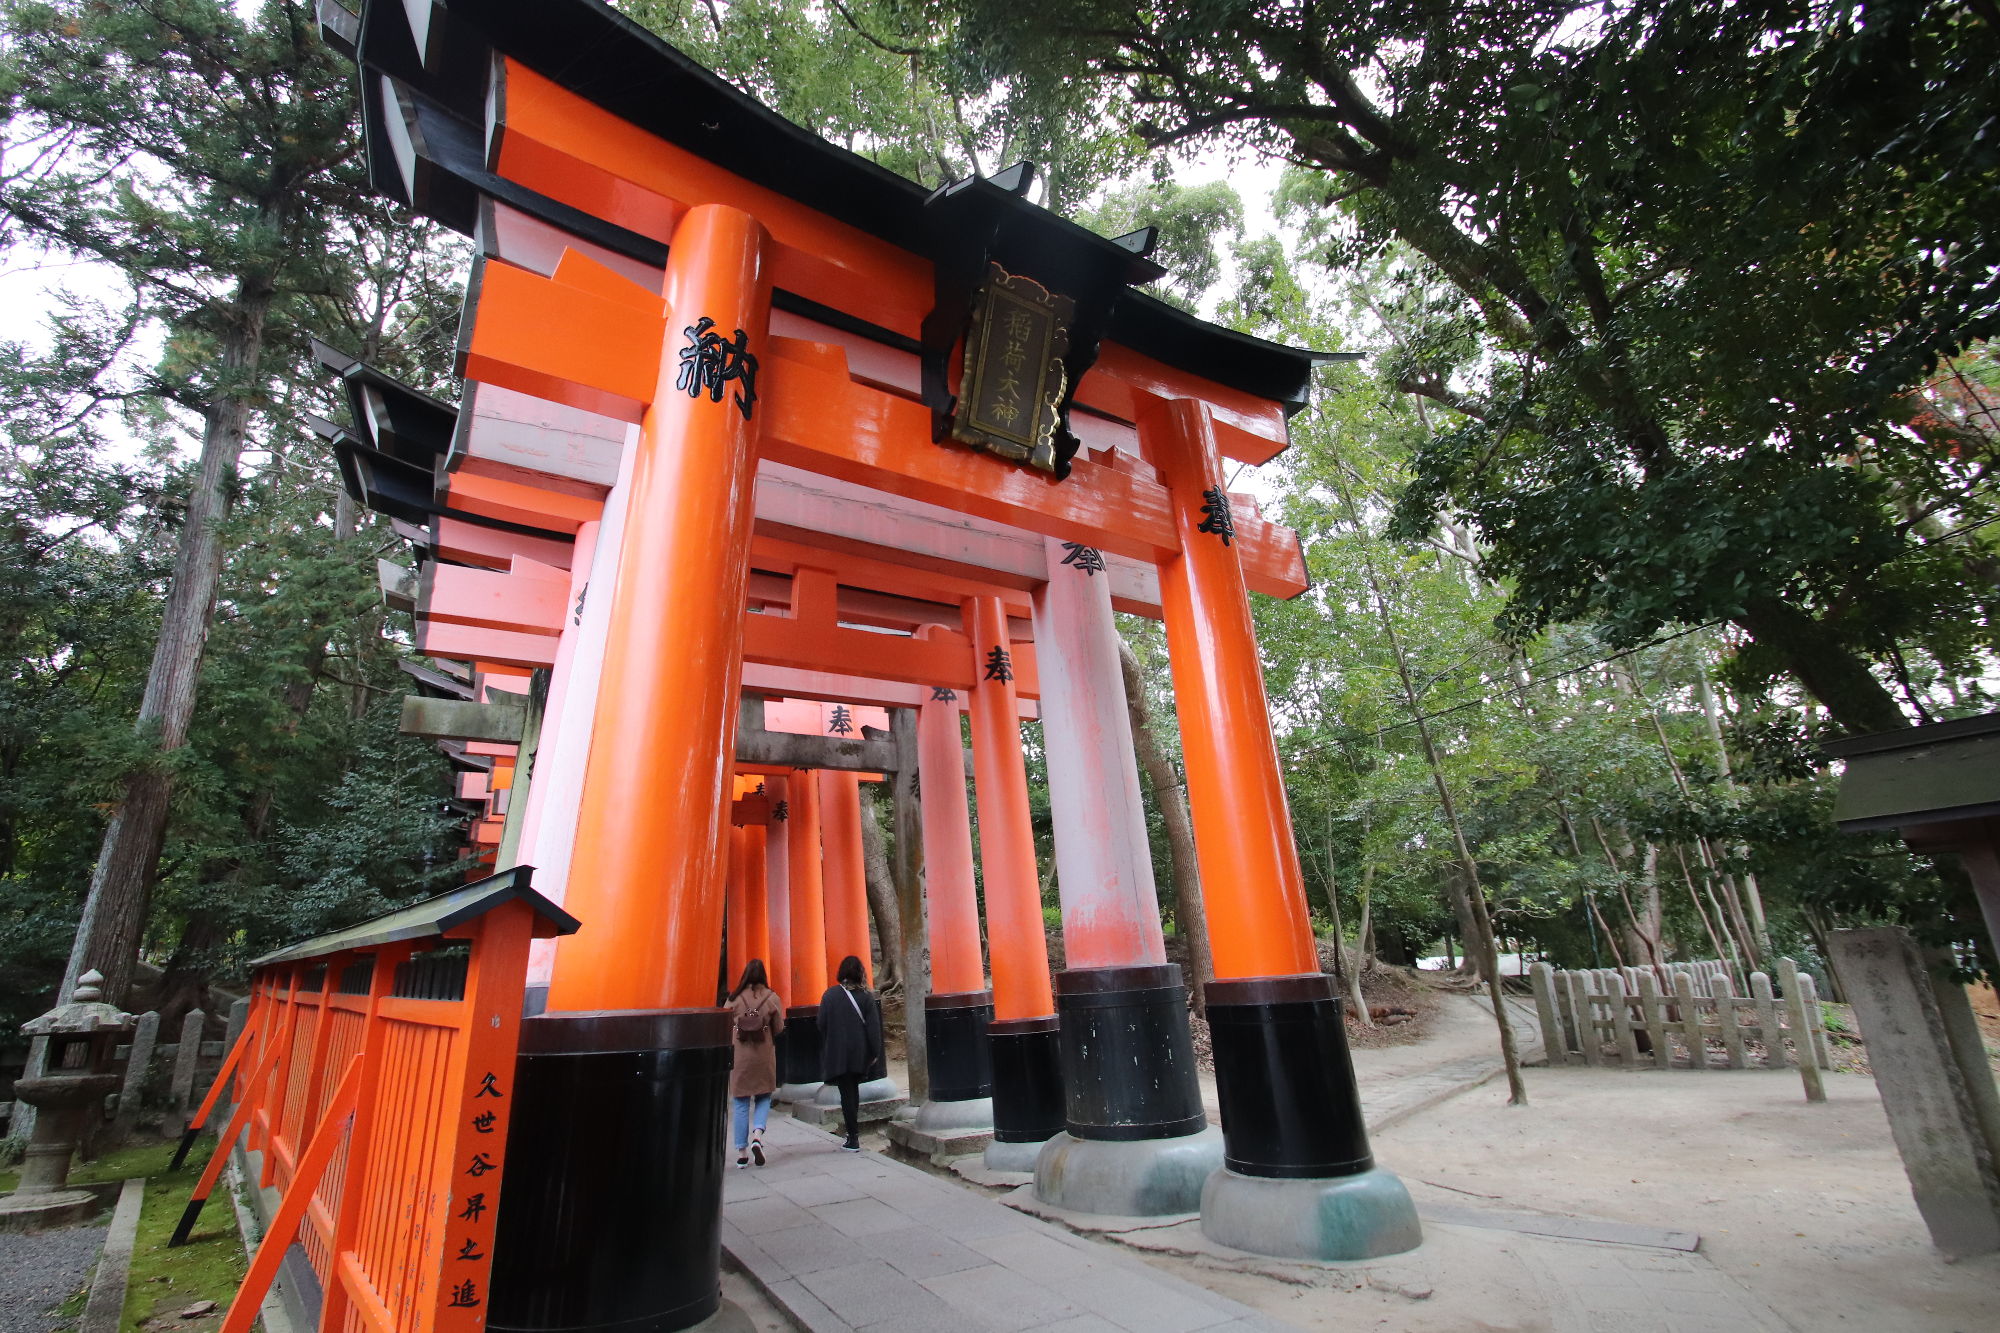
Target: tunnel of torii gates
[(770, 466)]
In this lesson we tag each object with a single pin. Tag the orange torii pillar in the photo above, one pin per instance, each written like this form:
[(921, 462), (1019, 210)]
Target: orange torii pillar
[(845, 871), (959, 1008), (749, 922), (616, 1153), (800, 1071), (1297, 1179), (1022, 1039), (1137, 1142)]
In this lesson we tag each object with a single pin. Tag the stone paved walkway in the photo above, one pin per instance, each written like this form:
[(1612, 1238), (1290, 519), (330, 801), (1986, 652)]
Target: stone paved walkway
[(855, 1241)]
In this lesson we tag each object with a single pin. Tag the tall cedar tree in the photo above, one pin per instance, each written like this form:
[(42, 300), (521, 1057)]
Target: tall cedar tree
[(201, 152), (1715, 248)]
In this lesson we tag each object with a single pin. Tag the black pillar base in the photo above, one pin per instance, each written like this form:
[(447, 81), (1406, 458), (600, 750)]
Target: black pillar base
[(610, 1220), (1290, 1107), (961, 1062), (1027, 1079), (798, 1045), (1128, 1068)]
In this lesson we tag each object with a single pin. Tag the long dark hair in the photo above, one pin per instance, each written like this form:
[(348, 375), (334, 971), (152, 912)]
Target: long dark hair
[(850, 973), (753, 975)]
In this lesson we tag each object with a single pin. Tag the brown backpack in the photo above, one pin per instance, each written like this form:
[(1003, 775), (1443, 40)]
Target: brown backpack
[(753, 1023)]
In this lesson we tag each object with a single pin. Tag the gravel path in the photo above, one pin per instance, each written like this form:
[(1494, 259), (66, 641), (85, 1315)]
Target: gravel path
[(39, 1272)]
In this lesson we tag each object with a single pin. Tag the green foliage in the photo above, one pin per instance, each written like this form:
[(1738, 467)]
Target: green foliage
[(877, 78), (1683, 278), (199, 160), (1191, 220)]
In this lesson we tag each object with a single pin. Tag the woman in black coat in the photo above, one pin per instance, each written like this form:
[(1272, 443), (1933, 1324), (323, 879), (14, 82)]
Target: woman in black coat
[(850, 1042)]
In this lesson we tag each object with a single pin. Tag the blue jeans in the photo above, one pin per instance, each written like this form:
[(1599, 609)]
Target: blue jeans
[(749, 1112)]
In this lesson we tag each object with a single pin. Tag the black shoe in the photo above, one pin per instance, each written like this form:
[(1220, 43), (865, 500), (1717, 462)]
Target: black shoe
[(742, 1162), (757, 1151), (852, 1145)]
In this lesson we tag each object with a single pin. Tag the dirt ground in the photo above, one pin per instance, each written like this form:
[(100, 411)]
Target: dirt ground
[(1805, 1206)]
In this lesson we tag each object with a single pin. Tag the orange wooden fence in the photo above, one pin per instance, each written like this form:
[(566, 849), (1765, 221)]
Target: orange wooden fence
[(373, 1084)]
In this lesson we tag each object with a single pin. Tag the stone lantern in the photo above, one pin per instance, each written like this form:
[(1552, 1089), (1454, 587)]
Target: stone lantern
[(81, 1036)]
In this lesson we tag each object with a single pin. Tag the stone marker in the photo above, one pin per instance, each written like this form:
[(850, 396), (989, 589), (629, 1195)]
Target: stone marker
[(1691, 1020), (1545, 1011), (1767, 1021), (1795, 1001), (185, 1059), (1930, 1106), (1653, 1010), (144, 1037), (1586, 1018), (1621, 1020), (1732, 1028)]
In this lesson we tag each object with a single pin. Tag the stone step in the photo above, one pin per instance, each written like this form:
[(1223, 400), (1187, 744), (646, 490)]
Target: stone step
[(938, 1147)]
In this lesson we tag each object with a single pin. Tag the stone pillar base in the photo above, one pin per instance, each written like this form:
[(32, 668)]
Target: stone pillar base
[(1364, 1216), (1019, 1157), (1128, 1178), (874, 1090), (956, 1117), (48, 1209), (880, 1100)]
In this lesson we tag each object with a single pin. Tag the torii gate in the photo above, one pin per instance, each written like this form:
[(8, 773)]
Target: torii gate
[(661, 251)]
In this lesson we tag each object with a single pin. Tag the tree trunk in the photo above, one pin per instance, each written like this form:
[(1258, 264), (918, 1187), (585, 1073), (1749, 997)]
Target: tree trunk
[(184, 981), (1170, 791), (1759, 933), (1834, 675), (1482, 921), (1347, 976), (114, 912), (881, 897)]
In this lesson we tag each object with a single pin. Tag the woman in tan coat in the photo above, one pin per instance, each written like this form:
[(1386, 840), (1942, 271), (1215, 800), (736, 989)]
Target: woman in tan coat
[(757, 1017)]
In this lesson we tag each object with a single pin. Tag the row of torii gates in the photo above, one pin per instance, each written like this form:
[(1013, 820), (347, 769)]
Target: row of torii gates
[(769, 469)]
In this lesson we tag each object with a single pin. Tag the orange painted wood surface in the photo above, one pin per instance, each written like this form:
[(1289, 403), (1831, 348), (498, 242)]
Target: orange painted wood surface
[(571, 344), (557, 142), (648, 875), (491, 599), (380, 1167), (1252, 888)]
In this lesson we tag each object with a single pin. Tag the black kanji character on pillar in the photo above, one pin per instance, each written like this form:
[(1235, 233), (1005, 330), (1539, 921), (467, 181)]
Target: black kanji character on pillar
[(483, 1122), (1217, 520), (999, 666), (470, 1251), (488, 1087), (479, 1166), (710, 361), (576, 616), (943, 694), (759, 791), (916, 785), (781, 811), (475, 1207), (464, 1296), (1086, 558), (842, 722)]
